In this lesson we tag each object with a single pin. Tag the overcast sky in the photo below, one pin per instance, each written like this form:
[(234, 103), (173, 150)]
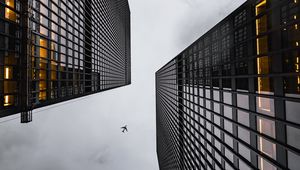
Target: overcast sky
[(85, 133)]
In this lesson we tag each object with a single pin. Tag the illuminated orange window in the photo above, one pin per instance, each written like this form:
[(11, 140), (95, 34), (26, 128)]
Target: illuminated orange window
[(261, 25), (8, 100), (8, 72), (42, 95), (10, 3), (43, 68), (262, 48), (42, 88), (297, 71), (43, 42), (53, 70), (11, 15), (42, 85), (42, 74), (261, 7), (263, 68), (43, 51), (263, 65), (262, 45)]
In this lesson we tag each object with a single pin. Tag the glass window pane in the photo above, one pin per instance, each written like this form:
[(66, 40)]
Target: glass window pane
[(243, 117), (265, 165), (228, 112), (292, 111), (228, 126), (227, 98), (265, 106), (293, 161), (10, 14), (266, 126), (293, 136), (10, 3), (244, 134), (243, 165), (243, 101), (245, 152)]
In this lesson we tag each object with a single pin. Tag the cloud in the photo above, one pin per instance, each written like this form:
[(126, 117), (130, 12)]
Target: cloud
[(101, 156), (200, 16)]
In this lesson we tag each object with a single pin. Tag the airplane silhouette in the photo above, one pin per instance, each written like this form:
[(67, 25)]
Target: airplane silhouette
[(124, 128)]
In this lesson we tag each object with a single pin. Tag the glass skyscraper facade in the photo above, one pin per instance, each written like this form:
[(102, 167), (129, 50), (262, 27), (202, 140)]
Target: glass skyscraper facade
[(231, 100), (56, 50)]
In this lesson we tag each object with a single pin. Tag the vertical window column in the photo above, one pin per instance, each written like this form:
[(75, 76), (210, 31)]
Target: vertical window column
[(264, 105)]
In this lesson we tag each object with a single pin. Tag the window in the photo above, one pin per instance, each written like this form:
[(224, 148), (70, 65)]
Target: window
[(243, 117), (293, 137), (245, 152), (292, 111), (228, 112), (243, 101), (243, 165), (43, 30), (8, 72), (10, 14), (227, 98), (244, 134), (265, 106), (293, 161), (8, 100), (266, 127), (265, 165)]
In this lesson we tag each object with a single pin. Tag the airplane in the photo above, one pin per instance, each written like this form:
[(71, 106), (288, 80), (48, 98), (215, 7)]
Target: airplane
[(124, 128)]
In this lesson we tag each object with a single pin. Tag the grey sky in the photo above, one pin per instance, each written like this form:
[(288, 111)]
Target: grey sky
[(85, 133)]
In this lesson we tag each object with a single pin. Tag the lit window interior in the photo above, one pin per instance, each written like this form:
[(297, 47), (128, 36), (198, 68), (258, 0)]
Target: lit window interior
[(10, 14), (8, 100), (10, 3), (43, 69), (263, 83), (7, 72)]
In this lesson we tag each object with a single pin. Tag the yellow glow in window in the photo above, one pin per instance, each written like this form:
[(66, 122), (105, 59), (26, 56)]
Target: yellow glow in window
[(10, 3), (8, 100), (11, 15), (263, 65), (42, 95), (262, 45), (43, 43), (297, 65), (7, 73), (43, 52), (263, 68), (260, 7)]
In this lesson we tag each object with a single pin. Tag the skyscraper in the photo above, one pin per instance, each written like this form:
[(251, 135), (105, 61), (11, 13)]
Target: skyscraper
[(231, 100), (57, 50)]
